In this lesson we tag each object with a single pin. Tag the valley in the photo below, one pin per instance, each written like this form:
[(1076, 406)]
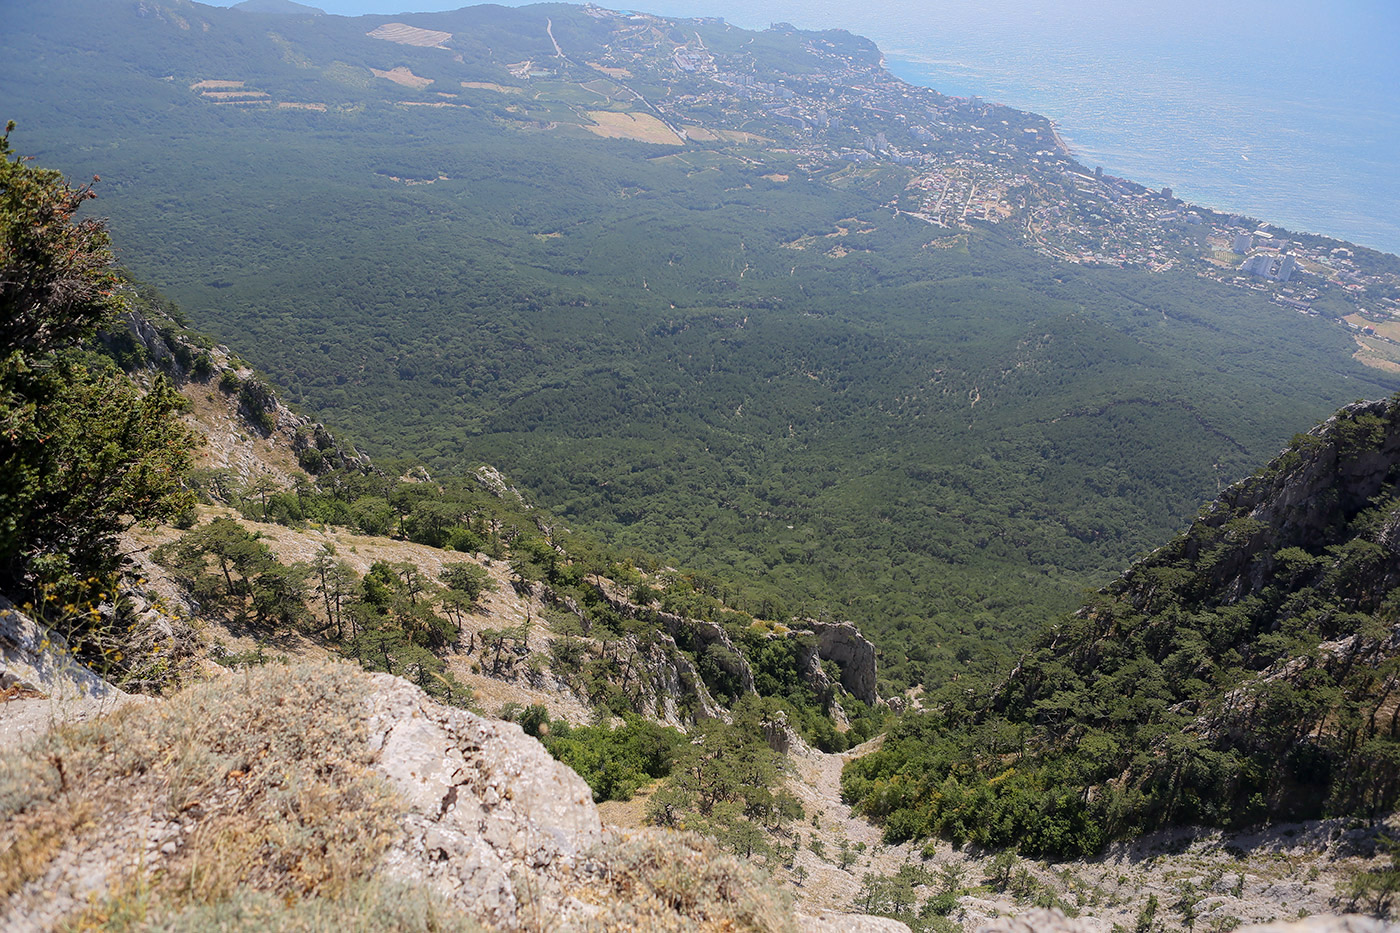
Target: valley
[(560, 468), (925, 425)]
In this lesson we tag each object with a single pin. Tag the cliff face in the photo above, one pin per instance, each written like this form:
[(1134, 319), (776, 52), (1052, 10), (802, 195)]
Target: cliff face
[(1307, 497), (229, 403), (852, 653), (838, 642)]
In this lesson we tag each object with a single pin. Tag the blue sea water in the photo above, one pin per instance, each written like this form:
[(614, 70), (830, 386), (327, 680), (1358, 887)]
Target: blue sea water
[(1286, 110)]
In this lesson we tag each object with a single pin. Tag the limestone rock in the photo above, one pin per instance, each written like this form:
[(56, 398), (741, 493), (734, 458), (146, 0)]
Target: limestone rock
[(852, 652), (668, 678), (1297, 501), (1349, 923), (827, 921), (1040, 920), (1048, 920), (493, 822), (34, 657)]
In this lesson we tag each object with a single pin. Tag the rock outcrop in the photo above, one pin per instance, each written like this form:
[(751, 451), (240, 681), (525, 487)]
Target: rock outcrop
[(839, 642), (1051, 920), (486, 806), (1304, 498), (39, 660), (291, 783), (827, 921), (166, 349), (670, 689), (853, 653)]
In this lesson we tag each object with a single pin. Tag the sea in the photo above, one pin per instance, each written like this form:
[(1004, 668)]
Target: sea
[(1285, 110)]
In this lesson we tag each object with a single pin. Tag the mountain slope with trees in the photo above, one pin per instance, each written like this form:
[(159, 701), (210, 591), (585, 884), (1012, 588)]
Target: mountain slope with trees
[(1248, 671)]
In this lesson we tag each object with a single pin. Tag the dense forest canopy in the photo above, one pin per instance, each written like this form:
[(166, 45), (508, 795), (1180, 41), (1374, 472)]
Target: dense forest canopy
[(716, 352)]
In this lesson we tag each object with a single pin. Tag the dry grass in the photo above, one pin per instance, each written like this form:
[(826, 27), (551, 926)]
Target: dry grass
[(404, 34), (365, 907), (610, 72), (665, 881), (261, 780), (1377, 355), (642, 127), (704, 134), (490, 86), (628, 814), (33, 843), (401, 75)]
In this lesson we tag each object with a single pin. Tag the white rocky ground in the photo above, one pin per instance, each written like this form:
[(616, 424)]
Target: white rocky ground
[(1272, 874)]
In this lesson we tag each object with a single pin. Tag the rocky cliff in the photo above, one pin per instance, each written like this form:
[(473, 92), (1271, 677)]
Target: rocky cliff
[(318, 783), (1269, 626), (851, 652), (838, 642), (1307, 497)]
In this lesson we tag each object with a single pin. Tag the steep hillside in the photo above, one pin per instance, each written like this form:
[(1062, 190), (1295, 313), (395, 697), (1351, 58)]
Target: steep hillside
[(229, 807), (309, 796), (1248, 671)]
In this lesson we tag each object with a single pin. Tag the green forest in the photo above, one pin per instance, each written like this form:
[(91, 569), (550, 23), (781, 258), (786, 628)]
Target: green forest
[(1244, 672), (942, 437)]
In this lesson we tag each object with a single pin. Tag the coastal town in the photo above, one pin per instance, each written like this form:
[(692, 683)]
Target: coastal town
[(961, 162), (834, 115)]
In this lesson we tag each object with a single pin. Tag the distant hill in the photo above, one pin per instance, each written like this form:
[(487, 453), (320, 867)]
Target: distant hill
[(280, 7)]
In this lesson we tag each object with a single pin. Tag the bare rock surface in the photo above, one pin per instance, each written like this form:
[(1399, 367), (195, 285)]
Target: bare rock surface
[(22, 721), (34, 657), (826, 921), (487, 805), (1051, 920), (853, 653)]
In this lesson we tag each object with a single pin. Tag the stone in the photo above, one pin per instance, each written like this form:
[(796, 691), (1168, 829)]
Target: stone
[(827, 921), (486, 805), (38, 659), (852, 652), (1049, 920)]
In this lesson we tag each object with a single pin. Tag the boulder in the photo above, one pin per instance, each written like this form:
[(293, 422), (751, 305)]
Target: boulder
[(39, 660)]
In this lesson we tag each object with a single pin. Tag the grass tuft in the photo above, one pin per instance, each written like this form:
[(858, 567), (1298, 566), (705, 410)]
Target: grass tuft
[(667, 881), (264, 776)]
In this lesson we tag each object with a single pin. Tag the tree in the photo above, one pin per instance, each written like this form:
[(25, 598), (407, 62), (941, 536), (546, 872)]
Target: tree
[(469, 579), (83, 454), (279, 593), (57, 280), (262, 486), (335, 581), (230, 547)]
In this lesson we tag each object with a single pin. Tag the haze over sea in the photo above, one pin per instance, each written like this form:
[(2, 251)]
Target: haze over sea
[(1285, 110)]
